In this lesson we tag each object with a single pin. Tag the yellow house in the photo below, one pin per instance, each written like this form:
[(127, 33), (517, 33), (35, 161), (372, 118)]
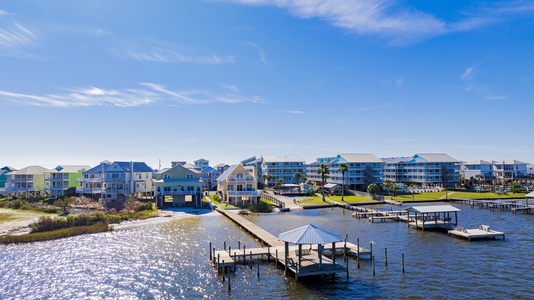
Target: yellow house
[(178, 186), (238, 186)]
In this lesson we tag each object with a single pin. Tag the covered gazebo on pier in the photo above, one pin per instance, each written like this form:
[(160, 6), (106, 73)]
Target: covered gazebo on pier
[(309, 262), (433, 216)]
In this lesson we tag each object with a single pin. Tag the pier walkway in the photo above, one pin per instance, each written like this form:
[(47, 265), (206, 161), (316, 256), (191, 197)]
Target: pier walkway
[(310, 263), (483, 232)]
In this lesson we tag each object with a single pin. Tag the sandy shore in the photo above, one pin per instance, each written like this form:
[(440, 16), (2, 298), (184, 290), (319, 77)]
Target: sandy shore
[(18, 221)]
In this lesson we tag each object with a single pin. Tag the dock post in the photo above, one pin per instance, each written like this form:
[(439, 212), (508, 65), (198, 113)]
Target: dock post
[(276, 258), (403, 263), (371, 248), (358, 252), (238, 244), (235, 262), (244, 254), (224, 246), (373, 263), (347, 267), (229, 250), (223, 270), (218, 261), (250, 260), (229, 285), (258, 267), (268, 253), (345, 250), (386, 254), (211, 257)]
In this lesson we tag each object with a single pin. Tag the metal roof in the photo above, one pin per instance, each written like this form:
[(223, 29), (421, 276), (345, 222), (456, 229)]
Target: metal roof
[(360, 158), (309, 234), (285, 158), (424, 209), (530, 195), (436, 157)]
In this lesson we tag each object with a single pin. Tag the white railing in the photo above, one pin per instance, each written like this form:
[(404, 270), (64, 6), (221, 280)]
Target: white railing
[(244, 193)]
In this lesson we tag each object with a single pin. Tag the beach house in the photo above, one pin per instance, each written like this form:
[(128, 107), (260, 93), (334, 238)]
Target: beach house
[(27, 182), (61, 178), (178, 186), (238, 186)]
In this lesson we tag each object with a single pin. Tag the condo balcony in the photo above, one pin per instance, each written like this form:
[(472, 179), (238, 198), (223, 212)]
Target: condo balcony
[(254, 193)]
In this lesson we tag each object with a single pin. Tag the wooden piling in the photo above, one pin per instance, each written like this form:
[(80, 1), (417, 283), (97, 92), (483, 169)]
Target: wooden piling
[(403, 263), (224, 246), (211, 257), (258, 262), (276, 259), (373, 264), (223, 270), (386, 255), (358, 252)]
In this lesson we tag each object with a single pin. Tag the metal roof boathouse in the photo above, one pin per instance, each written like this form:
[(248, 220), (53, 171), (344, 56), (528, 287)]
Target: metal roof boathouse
[(432, 217)]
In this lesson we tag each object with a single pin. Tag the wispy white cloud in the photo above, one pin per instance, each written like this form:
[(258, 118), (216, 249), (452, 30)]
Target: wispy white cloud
[(4, 12), (260, 51), (467, 73), (153, 50), (293, 112), (497, 98), (146, 94), (232, 88), (391, 20), (15, 39)]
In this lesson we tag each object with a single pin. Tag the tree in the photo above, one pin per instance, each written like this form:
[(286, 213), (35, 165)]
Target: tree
[(445, 176), (343, 168), (324, 171), (279, 182), (479, 178), (373, 189), (297, 176), (266, 178), (514, 187), (64, 204)]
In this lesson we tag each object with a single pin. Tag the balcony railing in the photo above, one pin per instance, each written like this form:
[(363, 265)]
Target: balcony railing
[(244, 179), (176, 193), (254, 193), (96, 179), (114, 191), (88, 190)]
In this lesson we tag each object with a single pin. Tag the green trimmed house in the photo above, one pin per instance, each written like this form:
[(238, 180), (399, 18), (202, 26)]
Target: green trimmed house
[(178, 187), (61, 178)]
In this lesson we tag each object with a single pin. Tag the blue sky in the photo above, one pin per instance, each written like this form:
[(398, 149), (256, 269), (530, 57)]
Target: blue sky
[(224, 80)]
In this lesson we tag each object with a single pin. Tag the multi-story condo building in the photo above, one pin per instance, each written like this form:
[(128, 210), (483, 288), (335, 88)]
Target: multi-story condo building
[(363, 169), (178, 186), (61, 178), (127, 179), (283, 168), (91, 182), (221, 167), (503, 171), (426, 169), (238, 187), (27, 182), (530, 169)]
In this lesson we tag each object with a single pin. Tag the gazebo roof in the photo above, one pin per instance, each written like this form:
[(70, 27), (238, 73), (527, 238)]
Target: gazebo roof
[(309, 234), (530, 195)]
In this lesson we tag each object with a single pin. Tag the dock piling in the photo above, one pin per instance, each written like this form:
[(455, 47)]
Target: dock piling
[(250, 260), (224, 246), (403, 263), (386, 255), (258, 267), (238, 244), (358, 252), (373, 264), (211, 257), (276, 259), (223, 270)]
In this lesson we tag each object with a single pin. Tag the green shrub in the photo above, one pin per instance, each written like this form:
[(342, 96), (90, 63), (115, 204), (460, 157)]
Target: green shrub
[(57, 234)]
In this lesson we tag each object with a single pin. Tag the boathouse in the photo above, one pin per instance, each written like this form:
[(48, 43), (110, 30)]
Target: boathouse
[(433, 217)]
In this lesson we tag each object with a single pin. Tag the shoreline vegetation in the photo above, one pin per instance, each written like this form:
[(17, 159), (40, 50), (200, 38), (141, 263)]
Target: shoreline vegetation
[(53, 226)]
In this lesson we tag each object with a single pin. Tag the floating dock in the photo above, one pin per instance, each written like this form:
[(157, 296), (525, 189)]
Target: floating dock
[(483, 232)]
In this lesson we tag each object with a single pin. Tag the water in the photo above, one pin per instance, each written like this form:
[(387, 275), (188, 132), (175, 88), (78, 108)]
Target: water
[(170, 260)]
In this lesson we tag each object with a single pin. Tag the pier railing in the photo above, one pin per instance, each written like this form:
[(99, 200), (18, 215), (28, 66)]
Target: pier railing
[(274, 200)]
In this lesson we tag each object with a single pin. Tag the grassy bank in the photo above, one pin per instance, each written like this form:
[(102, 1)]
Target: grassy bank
[(351, 199), (55, 234)]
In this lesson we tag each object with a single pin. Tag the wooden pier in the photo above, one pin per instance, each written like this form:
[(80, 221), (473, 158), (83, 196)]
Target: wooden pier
[(307, 264), (483, 232)]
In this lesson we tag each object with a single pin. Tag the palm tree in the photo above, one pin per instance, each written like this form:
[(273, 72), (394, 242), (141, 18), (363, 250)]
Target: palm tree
[(266, 178), (297, 176), (343, 168), (324, 171)]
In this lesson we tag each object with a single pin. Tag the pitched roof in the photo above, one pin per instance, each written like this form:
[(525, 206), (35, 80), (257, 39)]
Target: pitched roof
[(69, 169), (360, 158), (436, 157), (285, 158), (478, 162), (31, 170), (137, 166), (309, 234), (229, 172), (98, 169)]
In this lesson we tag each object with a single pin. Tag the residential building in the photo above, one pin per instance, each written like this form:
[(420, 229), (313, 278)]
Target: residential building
[(530, 169), (27, 182), (426, 169), (91, 182), (202, 163), (209, 177), (283, 168), (177, 187), (127, 179), (238, 187), (3, 177), (61, 178), (363, 169), (221, 167), (254, 164), (503, 171)]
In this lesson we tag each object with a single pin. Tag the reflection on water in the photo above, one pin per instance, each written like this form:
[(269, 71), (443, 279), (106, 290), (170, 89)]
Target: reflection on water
[(170, 260)]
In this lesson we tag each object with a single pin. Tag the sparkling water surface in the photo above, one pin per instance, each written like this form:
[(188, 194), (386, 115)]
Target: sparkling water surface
[(171, 260)]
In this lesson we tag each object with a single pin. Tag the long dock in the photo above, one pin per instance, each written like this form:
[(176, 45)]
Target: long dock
[(310, 263)]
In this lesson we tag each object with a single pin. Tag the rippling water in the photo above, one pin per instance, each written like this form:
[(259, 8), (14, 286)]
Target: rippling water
[(170, 260)]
